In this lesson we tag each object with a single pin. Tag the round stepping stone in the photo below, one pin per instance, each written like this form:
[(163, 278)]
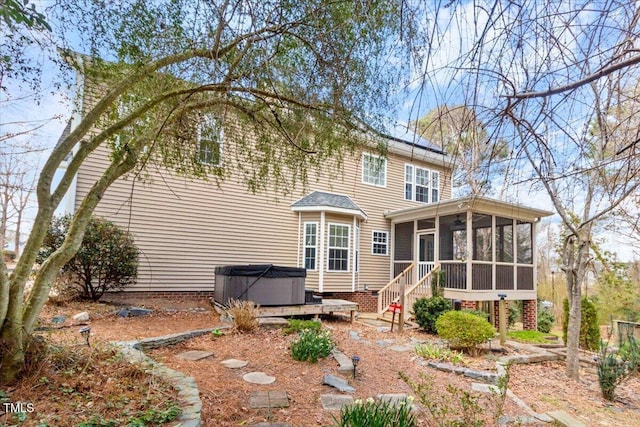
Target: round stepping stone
[(258, 378), (234, 363)]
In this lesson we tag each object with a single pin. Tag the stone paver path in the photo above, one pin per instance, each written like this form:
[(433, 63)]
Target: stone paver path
[(258, 378), (338, 383), (194, 355), (234, 363), (269, 399), (335, 402)]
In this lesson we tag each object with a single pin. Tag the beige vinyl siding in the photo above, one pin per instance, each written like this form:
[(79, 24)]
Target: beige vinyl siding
[(185, 227)]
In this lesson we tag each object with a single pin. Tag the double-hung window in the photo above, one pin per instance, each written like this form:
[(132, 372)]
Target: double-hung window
[(338, 248), (421, 185), (310, 245), (209, 140), (380, 243), (374, 170)]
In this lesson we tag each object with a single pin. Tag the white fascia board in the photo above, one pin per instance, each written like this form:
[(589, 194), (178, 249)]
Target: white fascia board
[(330, 209)]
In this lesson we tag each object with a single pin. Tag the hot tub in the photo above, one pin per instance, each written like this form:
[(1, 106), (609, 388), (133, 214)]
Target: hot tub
[(265, 285)]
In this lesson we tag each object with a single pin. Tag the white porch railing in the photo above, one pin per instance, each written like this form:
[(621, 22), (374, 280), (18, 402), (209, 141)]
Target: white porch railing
[(391, 292), (422, 289)]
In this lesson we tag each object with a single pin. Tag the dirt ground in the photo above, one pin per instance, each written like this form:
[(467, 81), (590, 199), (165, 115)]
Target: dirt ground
[(225, 396)]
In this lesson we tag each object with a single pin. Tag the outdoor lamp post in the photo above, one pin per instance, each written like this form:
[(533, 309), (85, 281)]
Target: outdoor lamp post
[(502, 318), (85, 332), (354, 360)]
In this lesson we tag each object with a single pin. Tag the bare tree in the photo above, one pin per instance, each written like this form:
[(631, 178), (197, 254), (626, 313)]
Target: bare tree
[(556, 80)]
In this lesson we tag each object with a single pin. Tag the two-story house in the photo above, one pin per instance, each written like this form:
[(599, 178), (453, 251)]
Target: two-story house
[(380, 226)]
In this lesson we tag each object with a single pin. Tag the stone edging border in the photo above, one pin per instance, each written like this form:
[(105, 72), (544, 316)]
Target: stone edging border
[(188, 392)]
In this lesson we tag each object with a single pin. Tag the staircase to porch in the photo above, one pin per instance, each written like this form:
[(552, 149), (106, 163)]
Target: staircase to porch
[(392, 292)]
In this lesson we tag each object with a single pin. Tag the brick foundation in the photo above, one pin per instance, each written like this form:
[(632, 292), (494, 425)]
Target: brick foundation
[(468, 305), (367, 300), (142, 295), (530, 315)]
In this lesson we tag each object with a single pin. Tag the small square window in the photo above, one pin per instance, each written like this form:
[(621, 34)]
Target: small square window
[(209, 141), (380, 243), (374, 170)]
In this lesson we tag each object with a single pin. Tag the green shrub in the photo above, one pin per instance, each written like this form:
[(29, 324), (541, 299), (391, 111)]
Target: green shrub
[(311, 345), (372, 413), (514, 314), (427, 310), (464, 330), (613, 368), (545, 320), (479, 313), (107, 258), (298, 325), (589, 327)]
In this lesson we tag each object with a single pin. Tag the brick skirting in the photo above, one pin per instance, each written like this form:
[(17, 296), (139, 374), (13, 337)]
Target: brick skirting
[(367, 300)]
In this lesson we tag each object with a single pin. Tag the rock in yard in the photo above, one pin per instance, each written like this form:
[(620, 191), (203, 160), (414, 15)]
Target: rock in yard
[(81, 317), (234, 363), (338, 383), (58, 319), (138, 311)]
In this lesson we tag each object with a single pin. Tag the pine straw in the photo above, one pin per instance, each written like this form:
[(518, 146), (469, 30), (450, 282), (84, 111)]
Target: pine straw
[(69, 383)]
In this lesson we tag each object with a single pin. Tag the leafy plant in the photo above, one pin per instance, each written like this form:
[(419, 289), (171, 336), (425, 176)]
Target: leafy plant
[(244, 314), (216, 333), (107, 258), (298, 325), (464, 330), (435, 352), (589, 327), (612, 368), (372, 413), (312, 345), (456, 407), (514, 314), (427, 310), (480, 313), (546, 320)]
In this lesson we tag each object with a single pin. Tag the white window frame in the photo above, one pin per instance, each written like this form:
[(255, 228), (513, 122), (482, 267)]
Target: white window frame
[(376, 243), (209, 120), (347, 247), (306, 246), (410, 184), (376, 180)]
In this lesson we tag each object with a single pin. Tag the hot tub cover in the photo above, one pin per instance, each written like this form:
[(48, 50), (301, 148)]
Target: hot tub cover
[(263, 270)]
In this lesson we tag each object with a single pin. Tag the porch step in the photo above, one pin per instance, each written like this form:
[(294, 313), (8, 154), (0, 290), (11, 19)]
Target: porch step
[(387, 317)]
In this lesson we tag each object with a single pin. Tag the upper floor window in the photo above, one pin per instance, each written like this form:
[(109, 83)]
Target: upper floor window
[(209, 140), (374, 170), (421, 185)]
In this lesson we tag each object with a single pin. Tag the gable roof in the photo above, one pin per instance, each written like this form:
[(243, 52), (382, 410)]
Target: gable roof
[(319, 201)]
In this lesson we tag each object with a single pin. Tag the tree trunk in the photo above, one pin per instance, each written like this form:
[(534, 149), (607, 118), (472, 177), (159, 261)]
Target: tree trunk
[(575, 309)]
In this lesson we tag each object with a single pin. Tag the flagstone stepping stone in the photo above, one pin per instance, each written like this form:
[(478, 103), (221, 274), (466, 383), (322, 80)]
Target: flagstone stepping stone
[(258, 378), (268, 399), (234, 363), (194, 355), (401, 348), (338, 383), (335, 402), (565, 419), (393, 398), (346, 365)]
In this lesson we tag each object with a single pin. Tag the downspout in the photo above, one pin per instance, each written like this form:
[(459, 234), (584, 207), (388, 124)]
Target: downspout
[(353, 270), (300, 237), (468, 261)]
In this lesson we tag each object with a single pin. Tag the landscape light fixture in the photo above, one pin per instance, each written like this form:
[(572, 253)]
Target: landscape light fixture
[(354, 360), (85, 332)]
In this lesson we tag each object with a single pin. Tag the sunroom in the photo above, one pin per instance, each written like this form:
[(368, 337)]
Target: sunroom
[(485, 247)]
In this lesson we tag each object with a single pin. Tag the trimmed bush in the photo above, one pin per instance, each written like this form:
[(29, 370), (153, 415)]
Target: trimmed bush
[(107, 258), (589, 327), (545, 320), (464, 331), (427, 310)]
